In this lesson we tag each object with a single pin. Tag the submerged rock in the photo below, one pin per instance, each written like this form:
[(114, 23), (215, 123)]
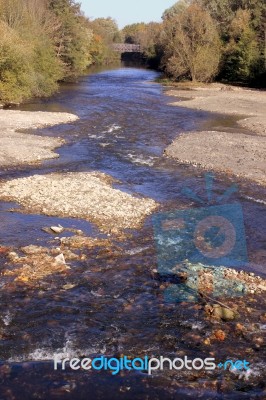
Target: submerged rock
[(220, 312)]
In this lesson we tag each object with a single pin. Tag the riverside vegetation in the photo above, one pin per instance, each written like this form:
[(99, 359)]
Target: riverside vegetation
[(203, 40), (44, 42)]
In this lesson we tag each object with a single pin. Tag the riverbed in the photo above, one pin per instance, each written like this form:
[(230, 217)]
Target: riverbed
[(108, 302)]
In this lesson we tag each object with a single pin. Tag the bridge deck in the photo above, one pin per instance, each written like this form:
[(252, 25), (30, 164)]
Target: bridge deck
[(126, 48)]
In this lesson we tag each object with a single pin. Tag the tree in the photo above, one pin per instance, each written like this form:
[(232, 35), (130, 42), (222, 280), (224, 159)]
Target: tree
[(242, 51), (222, 11), (176, 9), (105, 33), (74, 37), (134, 32), (148, 37), (191, 45), (242, 26), (107, 29), (149, 40), (42, 42), (28, 63), (15, 66)]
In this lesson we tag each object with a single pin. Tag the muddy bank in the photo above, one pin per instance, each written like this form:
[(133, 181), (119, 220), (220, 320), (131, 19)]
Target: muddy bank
[(87, 195), (23, 148), (241, 154)]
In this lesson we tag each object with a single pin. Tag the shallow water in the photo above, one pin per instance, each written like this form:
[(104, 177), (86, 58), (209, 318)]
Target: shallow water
[(114, 307)]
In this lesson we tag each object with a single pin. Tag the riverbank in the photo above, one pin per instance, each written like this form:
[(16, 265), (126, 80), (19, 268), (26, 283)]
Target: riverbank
[(87, 195), (18, 147), (239, 153)]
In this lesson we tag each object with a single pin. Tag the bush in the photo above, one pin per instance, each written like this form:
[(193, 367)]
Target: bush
[(48, 70)]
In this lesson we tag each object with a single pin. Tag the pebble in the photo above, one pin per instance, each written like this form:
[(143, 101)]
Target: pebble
[(60, 259), (222, 312), (57, 229)]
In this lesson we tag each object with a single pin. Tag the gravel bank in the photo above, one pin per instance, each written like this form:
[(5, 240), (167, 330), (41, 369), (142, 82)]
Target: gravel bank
[(87, 195), (240, 154), (23, 148)]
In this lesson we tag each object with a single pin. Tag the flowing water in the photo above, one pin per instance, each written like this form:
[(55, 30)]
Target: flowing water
[(114, 306)]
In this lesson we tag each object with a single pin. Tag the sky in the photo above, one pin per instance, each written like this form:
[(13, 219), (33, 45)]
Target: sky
[(126, 11)]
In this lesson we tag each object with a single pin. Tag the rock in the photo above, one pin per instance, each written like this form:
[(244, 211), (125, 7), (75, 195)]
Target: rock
[(240, 327), (227, 314), (68, 286), (69, 255), (219, 335), (216, 311), (57, 229), (60, 259), (4, 250), (24, 279), (13, 256), (222, 313), (258, 341)]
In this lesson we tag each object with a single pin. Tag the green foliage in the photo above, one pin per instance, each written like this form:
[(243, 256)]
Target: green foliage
[(107, 29), (241, 25), (241, 53), (176, 9), (148, 36), (47, 72), (191, 45), (134, 32), (73, 38), (221, 11), (15, 68), (105, 33), (28, 62), (46, 41)]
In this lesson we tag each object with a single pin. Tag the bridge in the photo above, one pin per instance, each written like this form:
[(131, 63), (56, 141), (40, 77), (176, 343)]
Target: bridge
[(126, 48)]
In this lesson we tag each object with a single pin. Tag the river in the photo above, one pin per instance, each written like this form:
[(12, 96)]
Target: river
[(114, 307)]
